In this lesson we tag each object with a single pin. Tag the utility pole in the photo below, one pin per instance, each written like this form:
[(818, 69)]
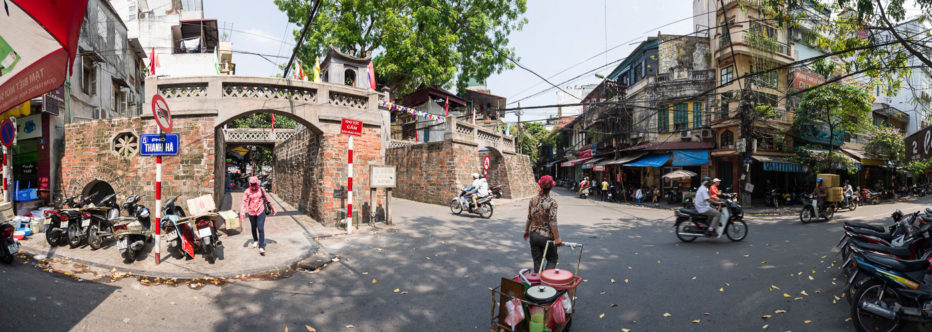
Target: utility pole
[(745, 107), (520, 128)]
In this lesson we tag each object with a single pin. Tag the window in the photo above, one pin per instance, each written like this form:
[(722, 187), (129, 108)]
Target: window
[(728, 74), (663, 125), (727, 139), (638, 73), (132, 12), (764, 30), (697, 115), (101, 29), (88, 77), (119, 99), (681, 114), (766, 79), (765, 99), (349, 77), (125, 144)]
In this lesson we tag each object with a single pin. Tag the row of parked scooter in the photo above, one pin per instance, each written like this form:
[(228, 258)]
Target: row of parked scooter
[(78, 220), (887, 269)]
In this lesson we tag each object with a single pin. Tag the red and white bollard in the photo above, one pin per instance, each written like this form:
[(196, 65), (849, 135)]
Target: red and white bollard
[(158, 209), (349, 187)]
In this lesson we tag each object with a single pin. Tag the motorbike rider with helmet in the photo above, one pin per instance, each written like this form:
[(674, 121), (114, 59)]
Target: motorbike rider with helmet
[(703, 204), (479, 188)]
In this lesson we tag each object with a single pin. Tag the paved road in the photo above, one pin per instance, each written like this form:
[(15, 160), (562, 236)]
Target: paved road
[(443, 265)]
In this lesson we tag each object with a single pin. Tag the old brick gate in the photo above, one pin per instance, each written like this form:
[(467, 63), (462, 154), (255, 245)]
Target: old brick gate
[(308, 166)]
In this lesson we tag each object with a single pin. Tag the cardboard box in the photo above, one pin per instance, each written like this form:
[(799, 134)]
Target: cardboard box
[(835, 194), (201, 205), (830, 180)]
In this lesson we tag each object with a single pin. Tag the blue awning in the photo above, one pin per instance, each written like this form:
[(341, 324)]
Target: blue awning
[(690, 158), (778, 164), (654, 160)]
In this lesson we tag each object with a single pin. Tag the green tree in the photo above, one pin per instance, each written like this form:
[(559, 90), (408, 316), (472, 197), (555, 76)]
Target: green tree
[(428, 42), (835, 107), (263, 120), (534, 134), (889, 144)]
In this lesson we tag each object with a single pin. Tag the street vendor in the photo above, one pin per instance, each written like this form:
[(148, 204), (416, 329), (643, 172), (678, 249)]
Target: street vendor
[(541, 225)]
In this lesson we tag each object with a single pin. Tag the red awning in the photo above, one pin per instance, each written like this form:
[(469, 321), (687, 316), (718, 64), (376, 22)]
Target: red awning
[(575, 162), (672, 146)]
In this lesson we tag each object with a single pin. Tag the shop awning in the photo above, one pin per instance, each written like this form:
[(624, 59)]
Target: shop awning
[(590, 163), (778, 164), (550, 164), (836, 165), (574, 162), (865, 158), (622, 160), (654, 160), (690, 158)]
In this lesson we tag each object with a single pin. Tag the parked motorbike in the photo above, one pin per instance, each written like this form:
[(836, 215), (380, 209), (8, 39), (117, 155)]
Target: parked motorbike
[(612, 194), (8, 245), (773, 198), (496, 191), (892, 293), (808, 214), (96, 228), (690, 224), (188, 235), (65, 211), (868, 196), (460, 203), (133, 230)]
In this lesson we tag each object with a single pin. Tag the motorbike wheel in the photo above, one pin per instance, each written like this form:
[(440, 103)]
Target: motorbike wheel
[(175, 250), (5, 256), (829, 213), (74, 235), (875, 201), (852, 205), (864, 320), (806, 215), (209, 253), (681, 227), (456, 207), (485, 210), (93, 237), (776, 203), (128, 255), (736, 230), (53, 238)]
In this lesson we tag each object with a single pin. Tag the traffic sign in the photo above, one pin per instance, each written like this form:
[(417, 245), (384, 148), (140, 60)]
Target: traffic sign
[(351, 127), (158, 145), (163, 117), (7, 132), (486, 163)]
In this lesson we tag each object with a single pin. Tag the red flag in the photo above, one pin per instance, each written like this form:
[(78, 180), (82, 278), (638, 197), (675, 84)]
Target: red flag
[(447, 106), (152, 62), (273, 121), (371, 76)]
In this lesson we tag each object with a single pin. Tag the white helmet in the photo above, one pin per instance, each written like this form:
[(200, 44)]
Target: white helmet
[(475, 176), (716, 180)]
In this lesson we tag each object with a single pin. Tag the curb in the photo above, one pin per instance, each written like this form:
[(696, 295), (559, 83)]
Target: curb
[(290, 264)]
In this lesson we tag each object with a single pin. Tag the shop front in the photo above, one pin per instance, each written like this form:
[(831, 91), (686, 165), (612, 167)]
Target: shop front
[(778, 173), (29, 156)]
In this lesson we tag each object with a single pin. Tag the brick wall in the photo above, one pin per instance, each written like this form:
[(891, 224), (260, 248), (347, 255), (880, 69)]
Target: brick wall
[(521, 177), (88, 156), (297, 167)]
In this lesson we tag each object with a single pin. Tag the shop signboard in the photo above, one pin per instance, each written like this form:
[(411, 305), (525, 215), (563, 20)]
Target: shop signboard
[(29, 127), (54, 101), (158, 145), (919, 145), (821, 135)]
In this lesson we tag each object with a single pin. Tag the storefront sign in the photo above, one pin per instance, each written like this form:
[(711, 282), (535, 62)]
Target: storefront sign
[(54, 101), (29, 127), (803, 79), (585, 154), (599, 168), (820, 135), (158, 145), (919, 145)]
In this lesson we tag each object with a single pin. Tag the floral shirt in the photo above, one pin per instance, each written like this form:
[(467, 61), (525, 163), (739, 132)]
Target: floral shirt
[(253, 203), (542, 212)]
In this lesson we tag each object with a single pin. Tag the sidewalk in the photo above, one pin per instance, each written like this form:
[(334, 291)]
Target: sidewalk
[(289, 237)]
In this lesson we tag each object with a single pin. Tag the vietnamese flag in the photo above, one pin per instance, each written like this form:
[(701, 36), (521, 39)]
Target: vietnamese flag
[(371, 76), (38, 42)]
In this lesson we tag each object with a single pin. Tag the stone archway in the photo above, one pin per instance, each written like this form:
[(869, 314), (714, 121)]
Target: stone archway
[(498, 170)]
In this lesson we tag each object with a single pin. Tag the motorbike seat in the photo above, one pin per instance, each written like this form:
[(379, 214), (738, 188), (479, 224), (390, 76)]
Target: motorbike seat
[(902, 252), (692, 213), (866, 226), (899, 265), (928, 211), (884, 236), (926, 219)]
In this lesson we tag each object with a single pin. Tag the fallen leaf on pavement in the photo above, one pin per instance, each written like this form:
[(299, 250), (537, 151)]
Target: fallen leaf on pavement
[(602, 315), (721, 290), (706, 313), (658, 261), (626, 281), (694, 278), (811, 278), (667, 314), (350, 326), (625, 330), (697, 321), (807, 321), (763, 262), (613, 280), (397, 290), (310, 329), (404, 292), (766, 316), (764, 327), (602, 293), (774, 287), (787, 295), (613, 305), (848, 319), (804, 293), (797, 298), (374, 281), (779, 311)]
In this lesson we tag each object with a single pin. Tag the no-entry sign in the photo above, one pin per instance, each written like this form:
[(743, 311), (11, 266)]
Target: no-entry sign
[(163, 117), (351, 127), (486, 163)]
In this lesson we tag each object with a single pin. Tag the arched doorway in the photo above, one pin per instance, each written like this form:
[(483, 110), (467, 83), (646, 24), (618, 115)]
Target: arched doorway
[(497, 175), (100, 189), (287, 157)]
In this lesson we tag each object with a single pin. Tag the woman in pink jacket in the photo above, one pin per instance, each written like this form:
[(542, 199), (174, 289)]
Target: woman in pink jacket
[(254, 199)]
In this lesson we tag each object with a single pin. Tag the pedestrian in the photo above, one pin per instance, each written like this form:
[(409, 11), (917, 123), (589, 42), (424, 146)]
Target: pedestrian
[(604, 189), (254, 201), (656, 194), (541, 225), (639, 195)]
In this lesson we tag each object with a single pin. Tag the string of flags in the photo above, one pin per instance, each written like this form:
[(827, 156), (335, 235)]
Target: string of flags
[(398, 108)]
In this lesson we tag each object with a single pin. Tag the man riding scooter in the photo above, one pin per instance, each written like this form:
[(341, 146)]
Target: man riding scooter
[(479, 189), (820, 194), (703, 203)]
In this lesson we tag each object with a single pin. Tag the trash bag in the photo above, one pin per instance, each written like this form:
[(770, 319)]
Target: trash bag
[(567, 304), (515, 313), (557, 314)]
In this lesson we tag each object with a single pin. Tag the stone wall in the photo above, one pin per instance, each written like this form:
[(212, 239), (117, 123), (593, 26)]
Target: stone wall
[(521, 177), (310, 166), (89, 156), (297, 168)]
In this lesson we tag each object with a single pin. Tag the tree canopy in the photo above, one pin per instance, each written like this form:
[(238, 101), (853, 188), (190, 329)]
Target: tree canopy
[(429, 42)]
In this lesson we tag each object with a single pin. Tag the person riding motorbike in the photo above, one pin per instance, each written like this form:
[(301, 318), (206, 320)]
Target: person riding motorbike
[(583, 185), (479, 188), (703, 203), (849, 192), (820, 194), (713, 189)]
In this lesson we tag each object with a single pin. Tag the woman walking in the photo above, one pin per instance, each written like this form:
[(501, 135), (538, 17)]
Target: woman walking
[(541, 225), (255, 200)]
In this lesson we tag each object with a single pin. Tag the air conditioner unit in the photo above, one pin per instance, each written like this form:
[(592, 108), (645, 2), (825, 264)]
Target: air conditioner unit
[(97, 113), (707, 133), (684, 134)]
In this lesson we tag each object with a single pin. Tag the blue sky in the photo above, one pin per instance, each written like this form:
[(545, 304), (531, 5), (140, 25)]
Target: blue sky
[(558, 34)]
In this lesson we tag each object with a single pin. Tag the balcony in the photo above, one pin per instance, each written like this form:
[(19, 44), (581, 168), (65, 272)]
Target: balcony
[(753, 44)]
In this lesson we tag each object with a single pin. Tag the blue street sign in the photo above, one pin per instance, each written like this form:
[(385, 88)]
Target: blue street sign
[(158, 145)]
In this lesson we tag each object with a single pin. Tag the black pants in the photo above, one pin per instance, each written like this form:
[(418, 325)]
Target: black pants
[(538, 242)]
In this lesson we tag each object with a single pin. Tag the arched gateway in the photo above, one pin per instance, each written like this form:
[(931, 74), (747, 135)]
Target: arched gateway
[(310, 165)]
